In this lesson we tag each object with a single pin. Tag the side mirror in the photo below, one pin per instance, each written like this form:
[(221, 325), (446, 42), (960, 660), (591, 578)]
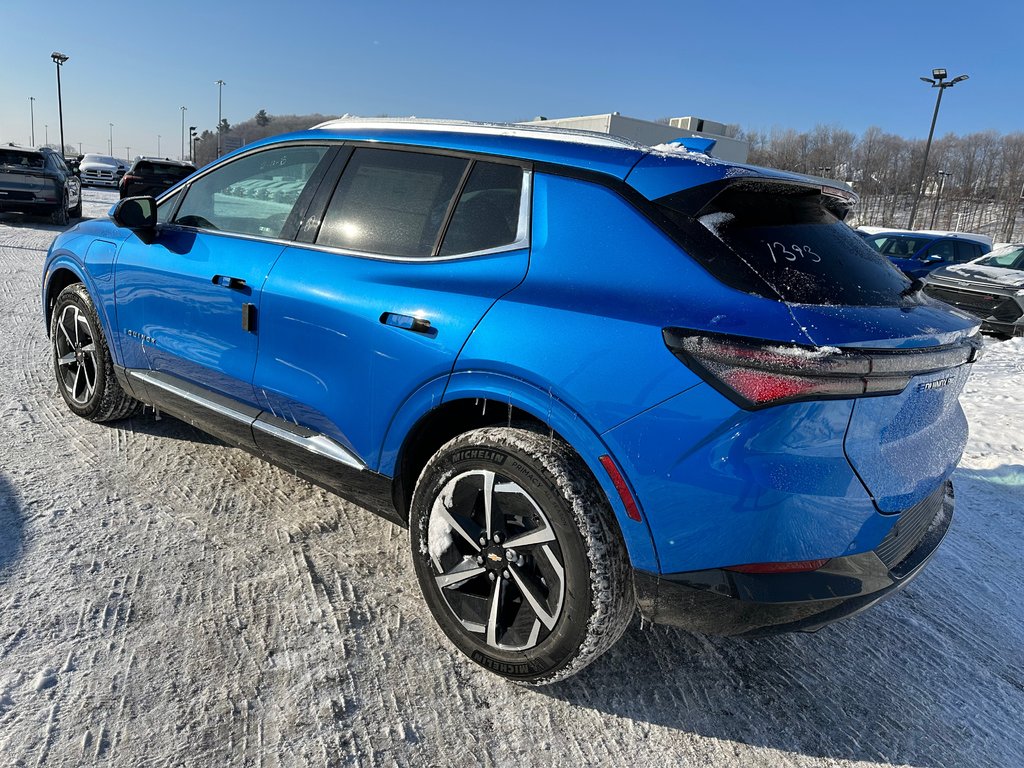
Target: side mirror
[(931, 258), (135, 213)]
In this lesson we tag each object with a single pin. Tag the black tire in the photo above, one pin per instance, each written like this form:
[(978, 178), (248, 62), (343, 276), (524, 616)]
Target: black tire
[(59, 215), (76, 212), (81, 360), (548, 499)]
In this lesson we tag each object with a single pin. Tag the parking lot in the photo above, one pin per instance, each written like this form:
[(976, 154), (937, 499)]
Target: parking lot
[(166, 600)]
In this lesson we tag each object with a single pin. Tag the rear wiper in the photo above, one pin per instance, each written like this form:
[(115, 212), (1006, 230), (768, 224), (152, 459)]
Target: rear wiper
[(915, 286)]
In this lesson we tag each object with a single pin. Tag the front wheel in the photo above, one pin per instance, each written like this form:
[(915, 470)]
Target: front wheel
[(518, 555), (82, 361)]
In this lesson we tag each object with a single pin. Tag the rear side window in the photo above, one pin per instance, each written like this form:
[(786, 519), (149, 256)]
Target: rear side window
[(391, 202), (781, 241), (967, 251), (944, 249), (487, 214)]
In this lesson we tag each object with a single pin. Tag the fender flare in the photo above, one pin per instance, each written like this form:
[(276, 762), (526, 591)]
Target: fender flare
[(546, 408)]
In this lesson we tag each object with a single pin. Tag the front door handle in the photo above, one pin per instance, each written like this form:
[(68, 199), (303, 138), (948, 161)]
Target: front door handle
[(408, 323), (235, 283)]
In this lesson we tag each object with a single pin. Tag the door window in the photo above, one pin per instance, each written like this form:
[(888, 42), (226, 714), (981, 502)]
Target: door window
[(944, 249), (253, 195), (392, 202), (967, 251), (487, 215)]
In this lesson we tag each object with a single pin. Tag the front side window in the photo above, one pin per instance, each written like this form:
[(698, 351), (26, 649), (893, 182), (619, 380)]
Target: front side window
[(391, 202), (166, 207), (898, 246), (253, 195)]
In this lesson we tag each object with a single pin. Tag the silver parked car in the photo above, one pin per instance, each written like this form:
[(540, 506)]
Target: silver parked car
[(102, 170), (991, 288)]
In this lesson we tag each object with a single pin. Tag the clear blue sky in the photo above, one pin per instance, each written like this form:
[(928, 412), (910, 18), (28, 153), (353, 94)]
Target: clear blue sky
[(759, 64)]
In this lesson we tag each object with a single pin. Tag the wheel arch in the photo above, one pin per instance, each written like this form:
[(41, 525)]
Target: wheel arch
[(59, 276), (473, 399)]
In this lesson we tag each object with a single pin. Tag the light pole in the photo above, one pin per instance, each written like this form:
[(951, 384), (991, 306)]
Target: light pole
[(191, 144), (128, 152), (32, 112), (110, 141), (942, 183), (939, 82), (220, 89), (158, 145), (183, 109), (59, 59), (46, 134)]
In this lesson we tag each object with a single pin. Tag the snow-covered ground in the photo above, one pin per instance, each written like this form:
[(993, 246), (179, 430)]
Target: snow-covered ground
[(168, 601)]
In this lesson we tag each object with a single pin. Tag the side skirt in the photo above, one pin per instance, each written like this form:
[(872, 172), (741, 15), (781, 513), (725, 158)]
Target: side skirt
[(306, 454)]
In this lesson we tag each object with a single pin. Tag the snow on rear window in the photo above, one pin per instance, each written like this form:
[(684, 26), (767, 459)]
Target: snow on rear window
[(780, 241)]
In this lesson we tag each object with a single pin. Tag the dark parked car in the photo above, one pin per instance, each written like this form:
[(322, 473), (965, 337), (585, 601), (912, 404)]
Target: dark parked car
[(590, 376), (918, 252), (37, 181), (153, 175), (991, 287)]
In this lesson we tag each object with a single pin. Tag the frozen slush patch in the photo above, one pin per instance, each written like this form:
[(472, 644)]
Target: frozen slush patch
[(714, 220), (678, 150), (47, 678), (805, 353)]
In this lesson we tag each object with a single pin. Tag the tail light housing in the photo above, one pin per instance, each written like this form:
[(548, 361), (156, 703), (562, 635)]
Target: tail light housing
[(757, 373)]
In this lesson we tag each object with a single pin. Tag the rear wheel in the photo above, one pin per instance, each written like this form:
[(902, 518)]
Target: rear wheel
[(60, 216), (76, 212), (82, 362), (518, 555)]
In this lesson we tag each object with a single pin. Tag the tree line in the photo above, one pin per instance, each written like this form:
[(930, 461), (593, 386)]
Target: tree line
[(973, 182)]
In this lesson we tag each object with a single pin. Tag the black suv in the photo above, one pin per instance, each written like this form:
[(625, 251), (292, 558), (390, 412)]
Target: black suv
[(152, 175), (38, 181)]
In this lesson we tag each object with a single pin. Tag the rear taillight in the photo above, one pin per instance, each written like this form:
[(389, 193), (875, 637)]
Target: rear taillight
[(129, 177), (755, 373)]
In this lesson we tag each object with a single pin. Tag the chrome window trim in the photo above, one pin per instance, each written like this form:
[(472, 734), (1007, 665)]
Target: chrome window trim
[(522, 236)]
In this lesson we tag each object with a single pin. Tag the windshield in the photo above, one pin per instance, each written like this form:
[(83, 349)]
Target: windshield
[(780, 241), (1011, 257)]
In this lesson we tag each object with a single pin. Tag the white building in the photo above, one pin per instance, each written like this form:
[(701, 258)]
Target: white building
[(646, 132)]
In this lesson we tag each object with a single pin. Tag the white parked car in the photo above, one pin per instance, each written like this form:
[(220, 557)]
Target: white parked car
[(102, 170)]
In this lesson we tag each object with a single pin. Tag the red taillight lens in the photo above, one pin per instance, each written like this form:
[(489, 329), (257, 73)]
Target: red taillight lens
[(794, 566), (757, 373)]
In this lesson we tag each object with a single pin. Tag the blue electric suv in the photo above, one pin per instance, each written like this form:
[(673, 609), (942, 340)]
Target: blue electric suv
[(589, 375)]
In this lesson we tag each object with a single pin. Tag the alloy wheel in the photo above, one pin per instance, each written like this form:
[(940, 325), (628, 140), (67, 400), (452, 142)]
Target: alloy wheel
[(496, 560), (77, 362)]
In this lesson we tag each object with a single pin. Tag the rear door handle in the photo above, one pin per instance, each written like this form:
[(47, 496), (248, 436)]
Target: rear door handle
[(235, 283), (408, 323)]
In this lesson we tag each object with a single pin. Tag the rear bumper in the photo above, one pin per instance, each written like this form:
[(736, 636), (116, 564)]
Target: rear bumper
[(717, 601)]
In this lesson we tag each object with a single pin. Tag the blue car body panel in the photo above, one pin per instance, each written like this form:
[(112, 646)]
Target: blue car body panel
[(328, 362), (722, 486), (568, 330), (173, 317)]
